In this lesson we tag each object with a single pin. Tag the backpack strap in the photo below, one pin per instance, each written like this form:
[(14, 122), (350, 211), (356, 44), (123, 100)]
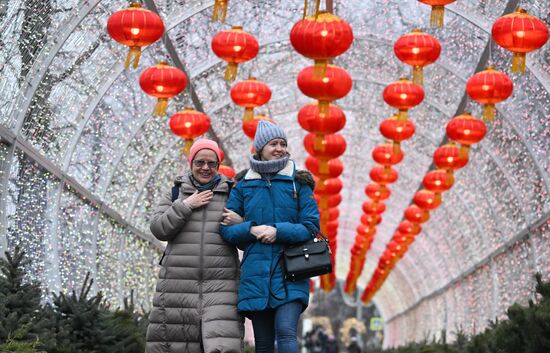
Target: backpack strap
[(176, 190)]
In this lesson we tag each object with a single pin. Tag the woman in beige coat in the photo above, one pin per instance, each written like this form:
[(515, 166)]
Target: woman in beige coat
[(195, 304)]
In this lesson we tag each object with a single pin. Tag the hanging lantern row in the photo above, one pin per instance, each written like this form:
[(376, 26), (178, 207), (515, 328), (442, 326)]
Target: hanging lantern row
[(463, 129)]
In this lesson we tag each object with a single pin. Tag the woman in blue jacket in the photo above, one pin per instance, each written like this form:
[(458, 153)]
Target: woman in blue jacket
[(279, 209)]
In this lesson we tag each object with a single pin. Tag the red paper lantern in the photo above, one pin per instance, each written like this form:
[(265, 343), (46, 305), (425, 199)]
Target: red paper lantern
[(329, 215), (438, 11), (386, 154), (396, 249), (466, 130), (448, 157), (373, 207), (489, 87), (397, 130), (162, 81), (189, 124), (334, 84), (220, 10), (403, 95), (417, 49), (365, 230), (227, 171), (519, 33), (135, 27), (427, 200), (335, 168), (407, 227), (326, 201), (250, 126), (321, 38), (377, 192), (415, 214), (328, 186), (250, 94), (383, 175), (234, 46), (334, 146), (371, 219), (407, 238), (438, 180), (312, 120)]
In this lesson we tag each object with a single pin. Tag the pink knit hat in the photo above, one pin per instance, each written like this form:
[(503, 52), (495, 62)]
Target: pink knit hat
[(202, 144)]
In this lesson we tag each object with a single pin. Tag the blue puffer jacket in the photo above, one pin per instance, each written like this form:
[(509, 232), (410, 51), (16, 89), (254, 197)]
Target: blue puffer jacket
[(273, 203)]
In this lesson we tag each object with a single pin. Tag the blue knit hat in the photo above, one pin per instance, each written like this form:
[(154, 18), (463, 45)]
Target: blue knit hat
[(266, 132)]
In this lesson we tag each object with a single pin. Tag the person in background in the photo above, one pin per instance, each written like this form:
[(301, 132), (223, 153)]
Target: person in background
[(195, 304), (279, 209)]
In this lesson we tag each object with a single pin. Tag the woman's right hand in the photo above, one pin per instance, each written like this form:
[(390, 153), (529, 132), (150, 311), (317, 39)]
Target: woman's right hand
[(199, 199), (265, 234)]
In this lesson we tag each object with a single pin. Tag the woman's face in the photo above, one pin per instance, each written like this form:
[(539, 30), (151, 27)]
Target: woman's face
[(205, 166), (275, 149)]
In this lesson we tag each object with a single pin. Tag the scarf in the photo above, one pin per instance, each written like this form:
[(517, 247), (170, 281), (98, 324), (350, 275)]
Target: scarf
[(267, 169), (208, 186)]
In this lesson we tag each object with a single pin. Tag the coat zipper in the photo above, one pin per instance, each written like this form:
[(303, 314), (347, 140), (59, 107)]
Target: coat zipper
[(201, 271)]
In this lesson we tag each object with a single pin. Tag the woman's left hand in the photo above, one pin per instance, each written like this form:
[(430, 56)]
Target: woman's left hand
[(269, 235), (230, 217)]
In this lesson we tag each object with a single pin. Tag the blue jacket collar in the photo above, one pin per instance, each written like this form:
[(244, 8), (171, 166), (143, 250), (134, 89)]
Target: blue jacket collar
[(287, 172)]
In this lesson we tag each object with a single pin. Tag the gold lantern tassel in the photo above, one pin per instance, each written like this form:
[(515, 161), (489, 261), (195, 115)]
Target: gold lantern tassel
[(318, 144), (463, 151), (323, 167), (518, 62), (187, 147), (320, 69), (396, 147), (317, 6), (436, 17), (402, 115), (220, 10), (324, 108), (418, 75), (488, 112), (305, 10), (323, 202), (248, 114), (230, 72), (160, 108), (133, 54), (437, 198)]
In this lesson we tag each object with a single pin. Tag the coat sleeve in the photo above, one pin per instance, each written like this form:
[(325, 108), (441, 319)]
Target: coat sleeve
[(169, 217), (289, 233), (237, 234)]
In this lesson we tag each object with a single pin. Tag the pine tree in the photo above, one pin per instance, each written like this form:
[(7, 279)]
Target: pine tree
[(19, 301)]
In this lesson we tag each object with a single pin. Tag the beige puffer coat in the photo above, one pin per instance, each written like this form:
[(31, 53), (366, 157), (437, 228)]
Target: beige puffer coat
[(195, 303)]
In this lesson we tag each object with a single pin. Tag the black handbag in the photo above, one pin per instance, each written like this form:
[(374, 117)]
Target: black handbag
[(309, 259)]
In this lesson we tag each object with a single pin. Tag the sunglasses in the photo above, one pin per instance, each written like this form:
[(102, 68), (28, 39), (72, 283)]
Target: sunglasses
[(200, 163)]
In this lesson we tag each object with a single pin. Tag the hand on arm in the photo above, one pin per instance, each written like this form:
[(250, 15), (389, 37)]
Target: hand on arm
[(230, 217), (265, 234)]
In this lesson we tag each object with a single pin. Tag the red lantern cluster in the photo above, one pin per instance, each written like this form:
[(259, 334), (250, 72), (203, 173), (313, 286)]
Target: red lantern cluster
[(163, 82), (417, 49), (234, 46), (135, 27), (250, 94)]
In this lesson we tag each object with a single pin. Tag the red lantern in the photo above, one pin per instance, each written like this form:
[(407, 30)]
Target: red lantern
[(386, 154), (466, 130), (334, 146), (334, 84), (234, 46), (406, 239), (371, 219), (407, 227), (189, 124), (383, 175), (489, 87), (162, 81), (312, 120), (220, 10), (438, 11), (250, 94), (365, 230), (396, 249), (519, 33), (335, 168), (427, 200), (417, 49), (373, 207), (397, 130), (448, 157), (328, 186), (250, 126), (403, 95), (227, 171), (438, 180), (326, 201), (135, 27), (415, 214), (321, 38), (377, 192), (328, 215)]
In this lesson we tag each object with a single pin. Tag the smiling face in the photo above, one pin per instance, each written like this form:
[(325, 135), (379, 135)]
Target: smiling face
[(205, 166), (274, 149)]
